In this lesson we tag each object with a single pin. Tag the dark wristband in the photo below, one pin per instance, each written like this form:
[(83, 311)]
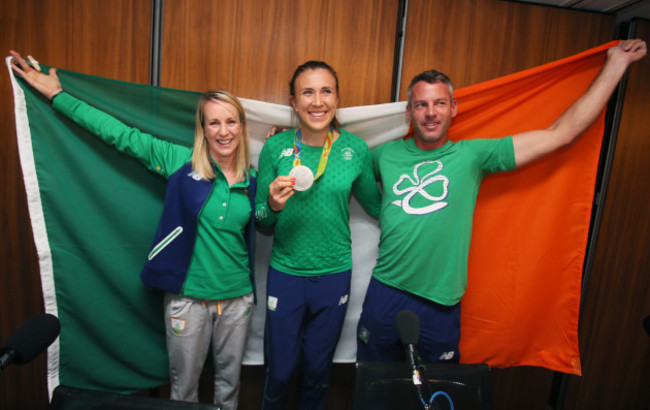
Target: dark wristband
[(55, 95)]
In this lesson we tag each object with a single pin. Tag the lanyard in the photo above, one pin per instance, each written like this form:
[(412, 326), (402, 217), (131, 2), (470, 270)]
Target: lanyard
[(324, 156)]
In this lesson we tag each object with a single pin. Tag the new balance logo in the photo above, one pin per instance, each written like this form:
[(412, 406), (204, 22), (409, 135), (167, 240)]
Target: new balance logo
[(446, 356), (287, 152)]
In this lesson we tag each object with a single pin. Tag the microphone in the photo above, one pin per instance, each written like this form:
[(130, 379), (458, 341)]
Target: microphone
[(33, 337), (408, 327)]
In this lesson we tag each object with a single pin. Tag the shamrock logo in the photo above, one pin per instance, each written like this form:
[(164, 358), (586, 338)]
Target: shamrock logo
[(415, 186)]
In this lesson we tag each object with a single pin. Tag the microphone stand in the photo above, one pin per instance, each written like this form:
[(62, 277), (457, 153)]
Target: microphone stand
[(426, 390), (408, 327), (419, 377)]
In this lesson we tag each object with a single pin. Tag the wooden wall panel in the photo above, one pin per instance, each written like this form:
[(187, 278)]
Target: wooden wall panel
[(614, 346), (478, 40), (109, 38), (251, 48)]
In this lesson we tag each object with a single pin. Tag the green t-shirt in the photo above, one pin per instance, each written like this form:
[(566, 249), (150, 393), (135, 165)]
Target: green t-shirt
[(312, 232), (219, 265), (427, 211)]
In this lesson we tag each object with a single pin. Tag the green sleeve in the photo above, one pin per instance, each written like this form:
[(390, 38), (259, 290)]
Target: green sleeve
[(159, 156), (264, 215), (365, 187), (376, 154)]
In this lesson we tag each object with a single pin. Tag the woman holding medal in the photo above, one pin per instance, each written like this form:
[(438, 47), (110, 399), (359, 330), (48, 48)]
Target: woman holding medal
[(203, 247), (306, 176)]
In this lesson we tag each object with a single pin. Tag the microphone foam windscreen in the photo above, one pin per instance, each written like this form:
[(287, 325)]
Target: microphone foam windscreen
[(408, 327), (33, 337)]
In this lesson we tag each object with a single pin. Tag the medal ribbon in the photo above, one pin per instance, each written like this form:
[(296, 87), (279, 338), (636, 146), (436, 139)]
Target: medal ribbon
[(322, 164)]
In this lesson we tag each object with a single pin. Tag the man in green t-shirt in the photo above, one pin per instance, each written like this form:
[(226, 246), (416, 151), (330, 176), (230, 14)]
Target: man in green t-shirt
[(430, 185)]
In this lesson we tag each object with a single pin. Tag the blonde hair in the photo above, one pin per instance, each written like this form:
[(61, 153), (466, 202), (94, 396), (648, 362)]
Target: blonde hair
[(201, 162)]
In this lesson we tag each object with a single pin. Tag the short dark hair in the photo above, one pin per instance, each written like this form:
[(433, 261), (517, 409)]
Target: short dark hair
[(431, 77)]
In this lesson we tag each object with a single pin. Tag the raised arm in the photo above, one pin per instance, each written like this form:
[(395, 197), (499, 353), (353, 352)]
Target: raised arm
[(532, 145), (160, 156), (48, 85)]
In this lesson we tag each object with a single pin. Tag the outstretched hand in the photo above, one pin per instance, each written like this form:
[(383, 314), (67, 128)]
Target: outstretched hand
[(628, 51), (48, 85)]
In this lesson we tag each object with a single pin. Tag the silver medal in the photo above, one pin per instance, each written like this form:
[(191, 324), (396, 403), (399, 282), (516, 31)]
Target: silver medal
[(304, 177)]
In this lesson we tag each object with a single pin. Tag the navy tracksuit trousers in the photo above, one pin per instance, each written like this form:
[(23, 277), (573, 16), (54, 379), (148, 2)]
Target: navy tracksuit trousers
[(304, 319)]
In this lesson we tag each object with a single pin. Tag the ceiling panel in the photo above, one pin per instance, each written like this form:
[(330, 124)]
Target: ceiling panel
[(624, 10)]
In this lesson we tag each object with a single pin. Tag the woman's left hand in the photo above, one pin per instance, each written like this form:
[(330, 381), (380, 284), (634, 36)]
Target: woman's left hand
[(48, 85)]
